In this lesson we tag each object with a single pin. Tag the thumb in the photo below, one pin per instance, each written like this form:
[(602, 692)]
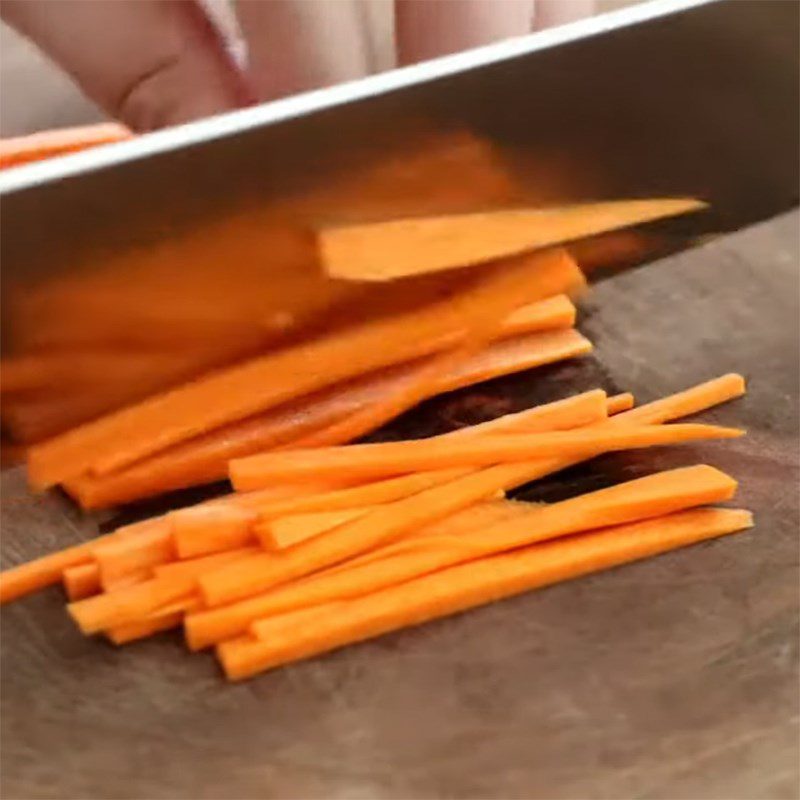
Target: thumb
[(148, 63)]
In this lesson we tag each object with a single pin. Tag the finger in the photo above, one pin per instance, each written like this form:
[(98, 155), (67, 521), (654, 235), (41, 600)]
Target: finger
[(550, 13), (297, 45), (149, 63), (430, 28)]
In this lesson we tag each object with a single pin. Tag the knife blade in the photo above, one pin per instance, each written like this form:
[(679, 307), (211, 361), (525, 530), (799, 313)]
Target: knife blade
[(673, 97)]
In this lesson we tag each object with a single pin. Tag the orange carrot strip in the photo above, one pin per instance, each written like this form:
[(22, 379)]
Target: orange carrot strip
[(371, 461), (286, 531), (619, 403), (482, 311), (82, 581), (690, 401), (18, 150), (438, 501), (652, 496), (232, 394), (131, 631), (205, 627), (283, 532), (121, 560), (47, 570), (205, 458), (241, 580), (195, 566), (435, 547), (131, 604), (387, 250), (468, 585), (571, 412), (545, 349), (227, 525)]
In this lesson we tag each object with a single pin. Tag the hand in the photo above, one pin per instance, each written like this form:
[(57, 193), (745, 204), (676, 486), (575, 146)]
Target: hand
[(153, 63)]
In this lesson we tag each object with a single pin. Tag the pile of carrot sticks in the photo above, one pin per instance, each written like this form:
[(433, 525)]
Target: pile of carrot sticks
[(324, 546)]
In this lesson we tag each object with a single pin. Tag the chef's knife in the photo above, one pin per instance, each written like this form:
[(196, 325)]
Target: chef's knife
[(673, 97)]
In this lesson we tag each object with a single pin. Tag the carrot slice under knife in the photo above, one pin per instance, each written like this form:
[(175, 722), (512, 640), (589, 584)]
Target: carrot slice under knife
[(382, 251)]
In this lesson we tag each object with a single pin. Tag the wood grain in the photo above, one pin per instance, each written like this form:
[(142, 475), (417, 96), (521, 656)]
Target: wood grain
[(674, 678)]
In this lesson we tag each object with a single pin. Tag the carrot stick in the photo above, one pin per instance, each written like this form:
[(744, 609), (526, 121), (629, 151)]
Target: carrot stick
[(126, 558), (82, 581), (131, 604), (429, 505), (435, 547), (554, 347), (690, 401), (131, 631), (572, 412), (619, 403), (532, 277), (47, 570), (205, 458), (18, 150), (192, 567), (384, 251), (371, 461), (468, 585), (120, 438), (226, 525), (205, 627), (286, 531)]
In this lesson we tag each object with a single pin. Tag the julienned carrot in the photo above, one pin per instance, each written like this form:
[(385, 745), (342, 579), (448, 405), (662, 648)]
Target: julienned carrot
[(120, 438), (531, 277), (468, 585), (205, 458), (690, 401), (290, 530), (189, 546), (205, 627), (227, 525), (619, 403), (132, 604), (127, 557), (131, 631), (652, 496), (192, 567), (386, 250), (19, 150), (371, 461), (47, 570), (230, 584), (441, 545), (82, 580), (572, 412)]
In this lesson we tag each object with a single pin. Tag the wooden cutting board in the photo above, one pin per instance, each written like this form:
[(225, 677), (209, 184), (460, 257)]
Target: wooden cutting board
[(674, 678)]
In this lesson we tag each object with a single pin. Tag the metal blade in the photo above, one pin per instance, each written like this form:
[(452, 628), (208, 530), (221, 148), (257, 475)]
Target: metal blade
[(666, 98)]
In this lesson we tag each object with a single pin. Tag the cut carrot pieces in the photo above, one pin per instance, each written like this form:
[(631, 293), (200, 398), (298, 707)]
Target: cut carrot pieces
[(466, 586), (384, 251), (127, 559), (436, 547), (82, 581), (498, 292), (19, 150), (229, 395), (132, 631), (227, 525), (619, 403), (205, 458), (287, 531), (371, 461)]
